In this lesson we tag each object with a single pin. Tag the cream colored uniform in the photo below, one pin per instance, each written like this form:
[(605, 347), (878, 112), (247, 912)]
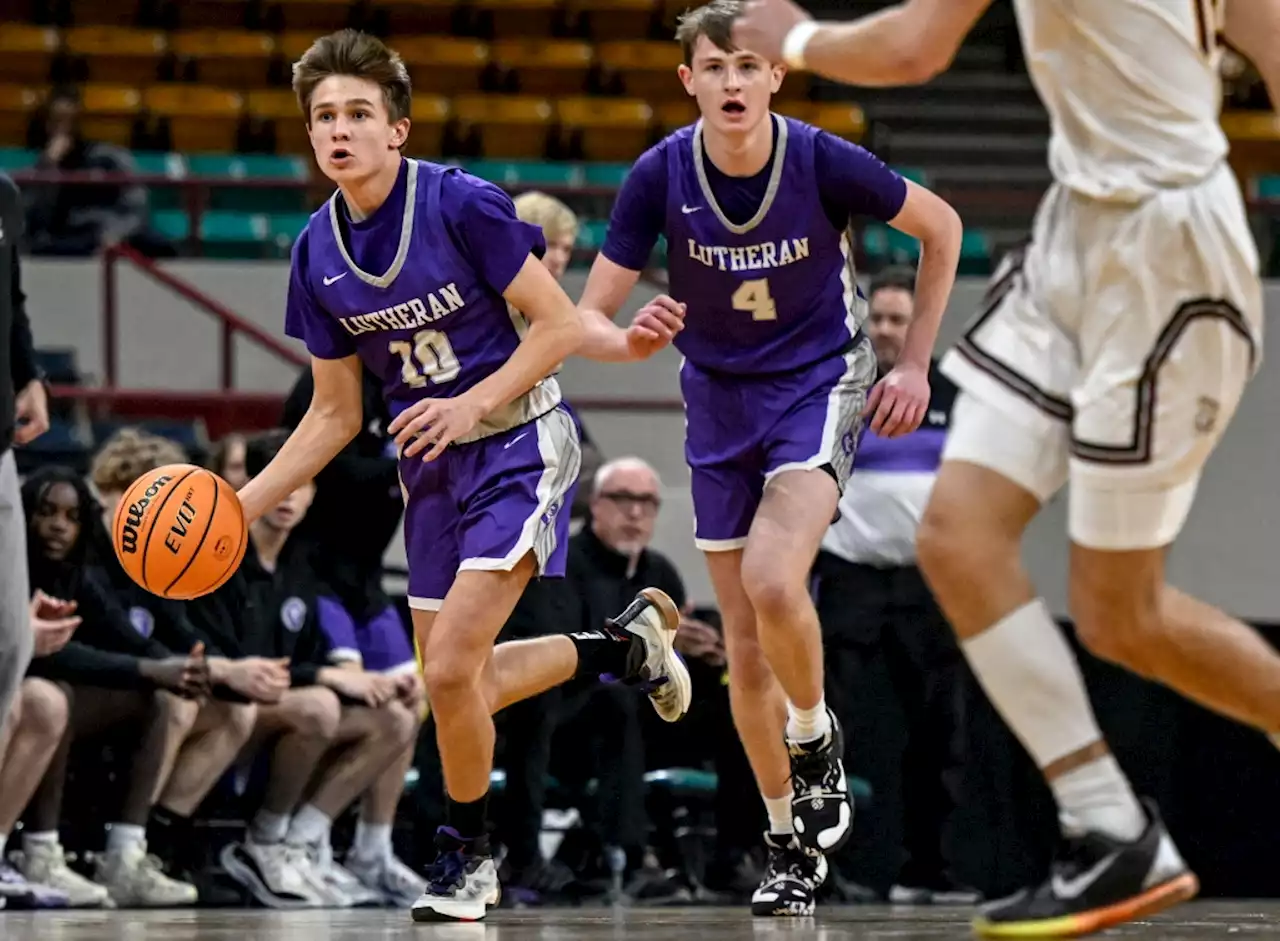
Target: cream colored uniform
[(1113, 349)]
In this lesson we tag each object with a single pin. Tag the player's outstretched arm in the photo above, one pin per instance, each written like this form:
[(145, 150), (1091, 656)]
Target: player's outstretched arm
[(654, 326), (906, 44), (331, 421), (1253, 27), (932, 220)]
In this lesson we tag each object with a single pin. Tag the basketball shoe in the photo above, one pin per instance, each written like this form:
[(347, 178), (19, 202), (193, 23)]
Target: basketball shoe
[(1095, 882), (791, 878), (653, 619), (821, 809), (462, 883)]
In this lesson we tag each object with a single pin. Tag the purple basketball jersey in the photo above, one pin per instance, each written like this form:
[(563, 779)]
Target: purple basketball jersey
[(416, 289), (773, 294)]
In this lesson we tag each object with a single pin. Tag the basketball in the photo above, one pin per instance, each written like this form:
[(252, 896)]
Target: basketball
[(179, 531)]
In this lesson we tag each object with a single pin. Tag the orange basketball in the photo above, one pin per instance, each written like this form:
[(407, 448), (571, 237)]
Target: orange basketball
[(179, 531)]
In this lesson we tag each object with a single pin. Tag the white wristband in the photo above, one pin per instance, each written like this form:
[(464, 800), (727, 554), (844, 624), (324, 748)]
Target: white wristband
[(797, 39)]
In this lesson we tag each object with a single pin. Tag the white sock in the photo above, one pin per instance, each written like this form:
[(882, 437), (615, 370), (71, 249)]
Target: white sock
[(268, 827), (121, 836), (372, 841), (1031, 677), (1097, 796), (309, 825), (805, 725), (779, 811), (46, 837)]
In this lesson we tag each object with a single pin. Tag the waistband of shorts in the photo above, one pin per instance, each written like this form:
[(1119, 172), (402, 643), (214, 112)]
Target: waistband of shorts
[(844, 350)]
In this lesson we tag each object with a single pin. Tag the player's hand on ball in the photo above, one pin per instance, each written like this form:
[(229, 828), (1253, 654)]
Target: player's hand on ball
[(764, 24), (429, 426), (654, 326), (898, 401)]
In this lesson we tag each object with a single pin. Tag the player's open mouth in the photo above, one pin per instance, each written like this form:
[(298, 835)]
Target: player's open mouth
[(340, 154), (733, 107)]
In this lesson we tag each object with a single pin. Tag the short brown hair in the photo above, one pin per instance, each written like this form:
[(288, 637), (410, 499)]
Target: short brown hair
[(351, 52), (713, 20), (127, 455)]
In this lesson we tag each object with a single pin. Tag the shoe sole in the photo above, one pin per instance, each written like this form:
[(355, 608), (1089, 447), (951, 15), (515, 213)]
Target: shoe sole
[(1175, 891), (246, 878), (677, 672), (424, 913)]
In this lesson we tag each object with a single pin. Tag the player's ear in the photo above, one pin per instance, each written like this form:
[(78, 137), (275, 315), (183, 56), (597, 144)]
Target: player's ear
[(686, 78), (778, 72), (399, 133)]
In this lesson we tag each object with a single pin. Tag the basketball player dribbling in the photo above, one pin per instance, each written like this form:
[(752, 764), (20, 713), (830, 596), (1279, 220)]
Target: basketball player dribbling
[(756, 209), (1110, 356), (408, 270)]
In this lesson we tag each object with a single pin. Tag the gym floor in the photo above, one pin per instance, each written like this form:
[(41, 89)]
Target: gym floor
[(1200, 920)]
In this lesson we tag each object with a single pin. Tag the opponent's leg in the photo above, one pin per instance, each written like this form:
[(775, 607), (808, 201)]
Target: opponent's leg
[(969, 547)]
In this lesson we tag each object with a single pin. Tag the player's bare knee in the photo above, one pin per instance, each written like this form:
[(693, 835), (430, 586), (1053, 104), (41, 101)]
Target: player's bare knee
[(44, 710), (236, 719), (449, 673), (397, 725), (316, 712), (1117, 618), (770, 587), (178, 712)]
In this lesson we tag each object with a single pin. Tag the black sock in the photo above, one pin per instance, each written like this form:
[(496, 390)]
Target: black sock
[(171, 837), (467, 820), (605, 653)]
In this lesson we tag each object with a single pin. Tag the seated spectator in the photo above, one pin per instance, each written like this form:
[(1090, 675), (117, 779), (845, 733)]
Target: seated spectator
[(226, 459), (110, 675), (219, 727), (28, 740), (77, 219), (331, 735), (362, 626)]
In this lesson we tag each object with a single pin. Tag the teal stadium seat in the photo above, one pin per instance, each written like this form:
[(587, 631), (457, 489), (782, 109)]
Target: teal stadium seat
[(1268, 186), (284, 168), (160, 163), (607, 174), (526, 172), (886, 245), (13, 159)]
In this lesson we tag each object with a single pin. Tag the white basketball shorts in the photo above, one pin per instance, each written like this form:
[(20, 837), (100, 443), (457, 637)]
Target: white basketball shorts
[(1111, 352)]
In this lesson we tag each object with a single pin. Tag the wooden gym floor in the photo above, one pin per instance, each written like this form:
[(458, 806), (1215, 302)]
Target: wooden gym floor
[(1199, 921)]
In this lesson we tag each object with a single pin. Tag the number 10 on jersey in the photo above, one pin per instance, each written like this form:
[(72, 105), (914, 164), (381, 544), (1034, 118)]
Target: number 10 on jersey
[(429, 356)]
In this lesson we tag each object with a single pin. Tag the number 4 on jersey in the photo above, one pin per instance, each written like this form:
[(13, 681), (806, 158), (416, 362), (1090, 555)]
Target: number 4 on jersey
[(429, 356), (754, 296)]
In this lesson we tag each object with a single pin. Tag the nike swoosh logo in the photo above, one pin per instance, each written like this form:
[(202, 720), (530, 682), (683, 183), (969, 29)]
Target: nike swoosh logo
[(337, 277), (1075, 887), (688, 209), (514, 440)]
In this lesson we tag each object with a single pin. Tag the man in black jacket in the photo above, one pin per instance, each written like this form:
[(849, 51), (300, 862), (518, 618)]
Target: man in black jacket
[(332, 733), (24, 416)]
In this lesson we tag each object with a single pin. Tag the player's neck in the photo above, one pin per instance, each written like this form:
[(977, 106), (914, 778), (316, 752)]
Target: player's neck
[(365, 196), (268, 542), (743, 154)]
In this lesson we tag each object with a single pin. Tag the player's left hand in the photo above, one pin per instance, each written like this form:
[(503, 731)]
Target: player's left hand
[(898, 401), (764, 24), (432, 424)]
